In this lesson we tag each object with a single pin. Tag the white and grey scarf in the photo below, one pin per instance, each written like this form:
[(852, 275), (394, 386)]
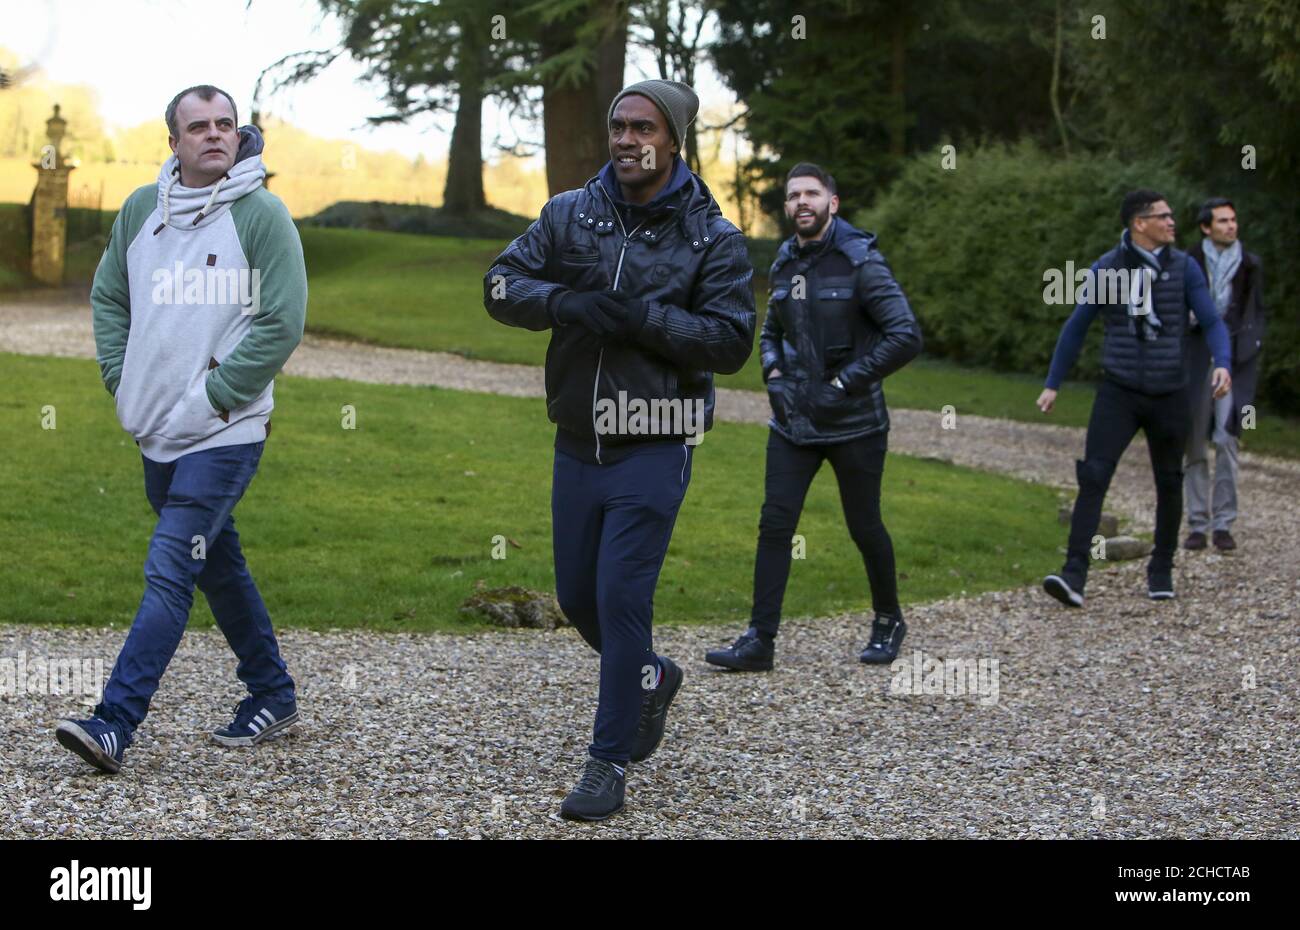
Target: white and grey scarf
[(1142, 319)]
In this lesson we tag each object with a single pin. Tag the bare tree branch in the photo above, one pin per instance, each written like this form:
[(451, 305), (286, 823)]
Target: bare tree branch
[(729, 124), (301, 67)]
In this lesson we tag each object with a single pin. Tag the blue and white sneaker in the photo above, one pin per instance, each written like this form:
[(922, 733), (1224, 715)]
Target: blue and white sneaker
[(99, 742), (256, 719)]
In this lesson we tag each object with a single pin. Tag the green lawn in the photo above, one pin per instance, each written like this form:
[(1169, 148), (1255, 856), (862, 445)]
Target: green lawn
[(427, 293), (415, 292), (424, 292), (390, 526)]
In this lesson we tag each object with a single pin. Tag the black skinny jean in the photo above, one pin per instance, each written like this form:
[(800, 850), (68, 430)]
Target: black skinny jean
[(859, 465), (1117, 414)]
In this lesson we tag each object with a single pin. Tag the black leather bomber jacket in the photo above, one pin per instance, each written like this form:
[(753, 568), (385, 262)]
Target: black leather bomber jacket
[(690, 266), (835, 310)]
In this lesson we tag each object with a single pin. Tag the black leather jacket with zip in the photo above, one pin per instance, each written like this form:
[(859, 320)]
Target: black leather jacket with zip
[(681, 257), (835, 310)]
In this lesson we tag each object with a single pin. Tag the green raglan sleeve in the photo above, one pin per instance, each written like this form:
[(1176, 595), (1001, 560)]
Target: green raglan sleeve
[(274, 251), (110, 295)]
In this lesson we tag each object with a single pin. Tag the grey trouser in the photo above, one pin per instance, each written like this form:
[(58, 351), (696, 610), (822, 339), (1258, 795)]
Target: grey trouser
[(1202, 514)]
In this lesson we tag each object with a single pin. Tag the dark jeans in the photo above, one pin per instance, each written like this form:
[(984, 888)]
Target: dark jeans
[(611, 525), (194, 496), (859, 465), (1117, 414)]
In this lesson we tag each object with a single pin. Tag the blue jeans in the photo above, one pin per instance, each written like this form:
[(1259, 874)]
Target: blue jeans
[(611, 525), (195, 496)]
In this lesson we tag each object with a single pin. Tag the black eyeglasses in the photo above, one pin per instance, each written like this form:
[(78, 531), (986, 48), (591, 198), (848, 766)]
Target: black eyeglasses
[(1155, 216)]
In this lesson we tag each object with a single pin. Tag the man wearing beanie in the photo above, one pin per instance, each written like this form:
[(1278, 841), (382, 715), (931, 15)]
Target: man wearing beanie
[(645, 289), (197, 303)]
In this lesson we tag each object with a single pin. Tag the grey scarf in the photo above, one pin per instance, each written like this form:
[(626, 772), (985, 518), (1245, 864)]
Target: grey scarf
[(1221, 267)]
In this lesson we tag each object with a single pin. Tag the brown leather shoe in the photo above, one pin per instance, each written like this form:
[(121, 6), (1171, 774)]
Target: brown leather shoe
[(1223, 541), (1194, 541)]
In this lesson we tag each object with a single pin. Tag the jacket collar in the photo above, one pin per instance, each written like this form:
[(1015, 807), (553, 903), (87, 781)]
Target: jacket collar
[(685, 200), (677, 179), (1134, 257), (842, 237)]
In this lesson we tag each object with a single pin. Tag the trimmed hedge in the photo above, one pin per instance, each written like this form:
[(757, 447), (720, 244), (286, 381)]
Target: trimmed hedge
[(420, 220), (1269, 227), (87, 236), (970, 245)]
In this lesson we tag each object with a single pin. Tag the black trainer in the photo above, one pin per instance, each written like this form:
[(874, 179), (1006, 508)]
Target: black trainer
[(1160, 584), (1066, 586), (750, 653), (886, 637), (598, 794), (654, 711)]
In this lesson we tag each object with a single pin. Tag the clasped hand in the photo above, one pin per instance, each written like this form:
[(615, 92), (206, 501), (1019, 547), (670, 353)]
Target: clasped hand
[(605, 313)]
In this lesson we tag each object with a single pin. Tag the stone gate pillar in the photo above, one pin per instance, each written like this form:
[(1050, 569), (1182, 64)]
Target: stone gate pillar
[(50, 206)]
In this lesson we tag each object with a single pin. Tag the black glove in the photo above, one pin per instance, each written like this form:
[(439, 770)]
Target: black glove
[(634, 313), (592, 309)]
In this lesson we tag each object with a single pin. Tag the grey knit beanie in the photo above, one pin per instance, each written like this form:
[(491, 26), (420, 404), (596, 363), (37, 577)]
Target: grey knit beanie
[(677, 101)]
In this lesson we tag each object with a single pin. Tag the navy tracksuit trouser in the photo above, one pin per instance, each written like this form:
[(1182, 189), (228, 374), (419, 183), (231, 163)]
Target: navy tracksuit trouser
[(611, 525)]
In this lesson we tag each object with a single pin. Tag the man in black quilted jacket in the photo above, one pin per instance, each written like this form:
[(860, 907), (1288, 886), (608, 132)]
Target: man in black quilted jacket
[(645, 288), (837, 323)]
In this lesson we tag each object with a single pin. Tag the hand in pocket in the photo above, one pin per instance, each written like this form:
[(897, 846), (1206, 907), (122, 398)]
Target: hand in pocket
[(776, 396), (224, 414)]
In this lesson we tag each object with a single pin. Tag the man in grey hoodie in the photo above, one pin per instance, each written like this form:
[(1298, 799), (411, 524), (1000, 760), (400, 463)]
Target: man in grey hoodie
[(199, 300)]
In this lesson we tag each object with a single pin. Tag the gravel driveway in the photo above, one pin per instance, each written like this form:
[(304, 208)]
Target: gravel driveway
[(1125, 719)]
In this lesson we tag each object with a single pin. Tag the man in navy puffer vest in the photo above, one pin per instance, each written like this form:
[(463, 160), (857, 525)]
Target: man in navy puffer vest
[(1143, 289)]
